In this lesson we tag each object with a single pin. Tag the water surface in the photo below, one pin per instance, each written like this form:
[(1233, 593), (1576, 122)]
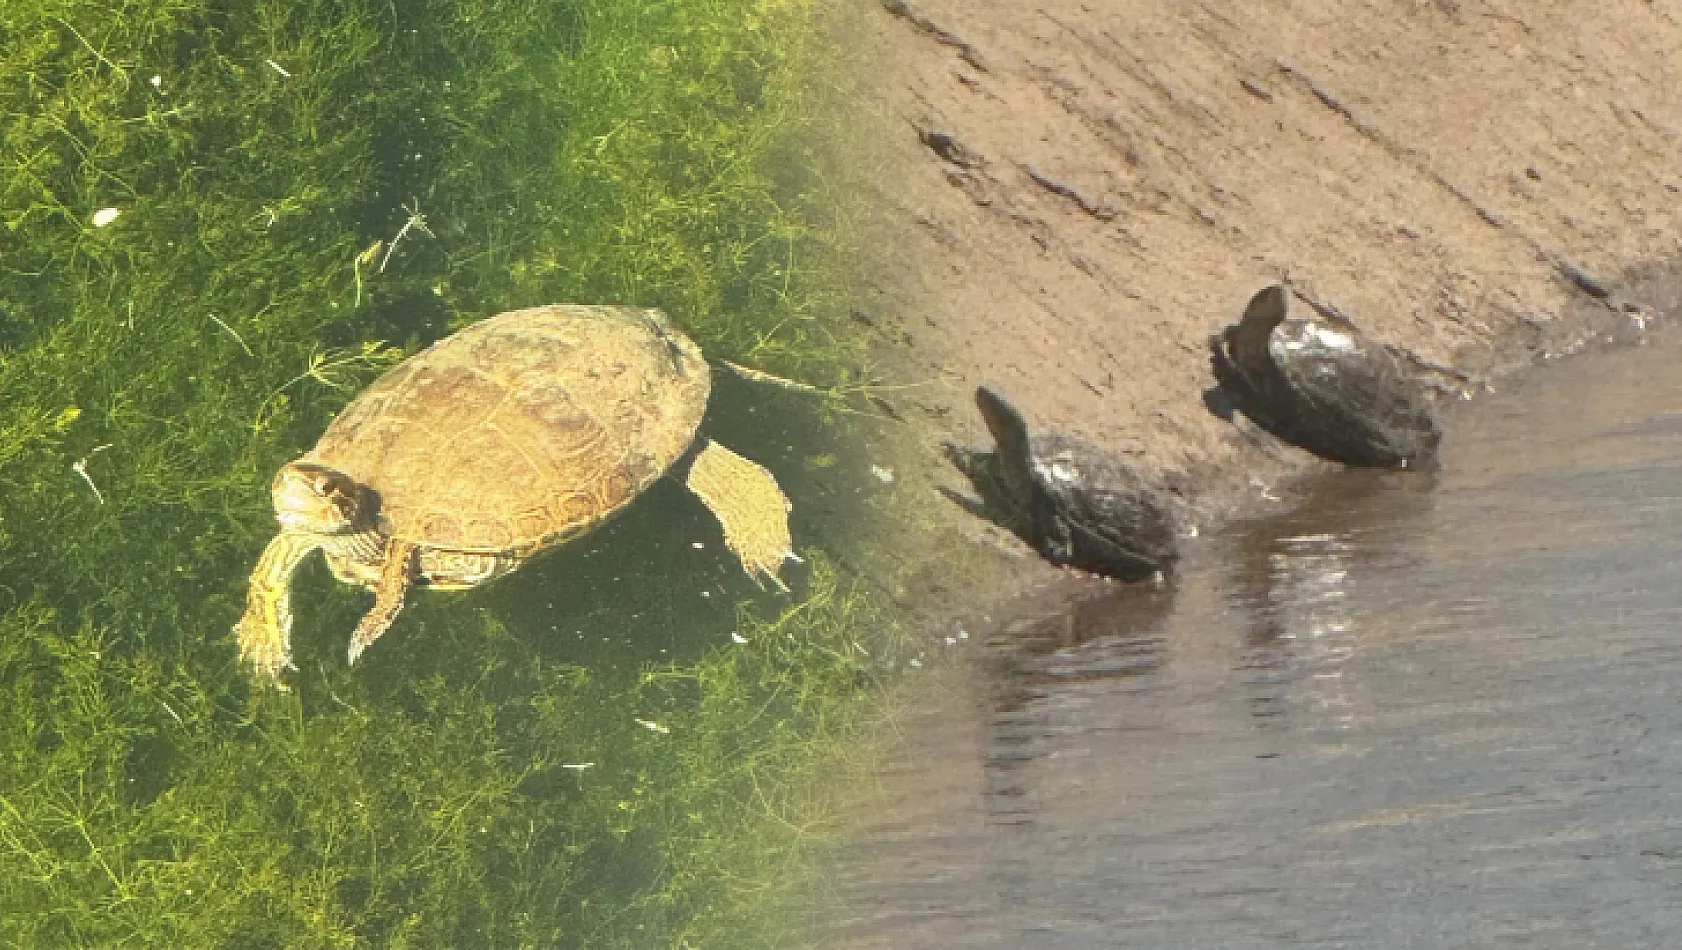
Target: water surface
[(1409, 711)]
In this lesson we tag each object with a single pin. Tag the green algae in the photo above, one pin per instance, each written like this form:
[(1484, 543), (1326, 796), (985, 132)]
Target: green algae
[(583, 755)]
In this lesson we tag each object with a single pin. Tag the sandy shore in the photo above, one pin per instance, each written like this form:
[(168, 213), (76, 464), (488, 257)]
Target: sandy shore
[(1082, 192)]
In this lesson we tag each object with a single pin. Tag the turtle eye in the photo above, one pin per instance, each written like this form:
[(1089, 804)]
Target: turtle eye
[(339, 492)]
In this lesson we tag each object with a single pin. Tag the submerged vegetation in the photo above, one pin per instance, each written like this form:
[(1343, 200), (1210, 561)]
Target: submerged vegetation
[(221, 217)]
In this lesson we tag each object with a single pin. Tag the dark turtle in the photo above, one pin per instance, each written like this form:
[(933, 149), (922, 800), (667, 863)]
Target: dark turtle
[(1318, 382), (1075, 503)]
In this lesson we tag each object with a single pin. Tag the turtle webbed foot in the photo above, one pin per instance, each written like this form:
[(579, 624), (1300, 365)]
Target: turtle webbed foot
[(750, 507), (375, 622), (265, 650)]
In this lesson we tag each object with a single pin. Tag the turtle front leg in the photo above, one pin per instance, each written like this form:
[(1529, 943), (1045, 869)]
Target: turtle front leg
[(265, 631), (396, 574)]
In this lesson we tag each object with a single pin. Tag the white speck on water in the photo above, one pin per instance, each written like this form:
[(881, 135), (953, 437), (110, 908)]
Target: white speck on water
[(578, 766), (915, 663), (951, 641), (697, 545), (652, 726), (105, 216), (737, 638), (277, 68), (157, 83), (883, 475), (963, 634), (706, 593)]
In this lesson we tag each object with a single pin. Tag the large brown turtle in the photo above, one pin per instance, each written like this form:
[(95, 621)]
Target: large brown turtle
[(520, 432)]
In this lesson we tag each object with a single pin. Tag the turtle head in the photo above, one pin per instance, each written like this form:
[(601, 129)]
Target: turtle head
[(320, 500), (1005, 422), (1013, 460)]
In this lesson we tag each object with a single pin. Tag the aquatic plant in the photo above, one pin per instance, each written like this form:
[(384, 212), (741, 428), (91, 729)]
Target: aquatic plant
[(220, 219)]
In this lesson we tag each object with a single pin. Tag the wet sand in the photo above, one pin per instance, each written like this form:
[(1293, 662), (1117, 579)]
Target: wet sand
[(1080, 193)]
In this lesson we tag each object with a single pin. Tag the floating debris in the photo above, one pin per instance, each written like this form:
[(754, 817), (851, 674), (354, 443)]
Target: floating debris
[(105, 216)]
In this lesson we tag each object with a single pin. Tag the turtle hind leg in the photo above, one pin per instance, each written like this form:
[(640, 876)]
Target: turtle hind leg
[(749, 506), (396, 574)]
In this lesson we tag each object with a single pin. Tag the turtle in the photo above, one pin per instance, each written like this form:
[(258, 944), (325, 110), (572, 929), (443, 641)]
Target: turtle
[(1076, 504), (1320, 383), (518, 433)]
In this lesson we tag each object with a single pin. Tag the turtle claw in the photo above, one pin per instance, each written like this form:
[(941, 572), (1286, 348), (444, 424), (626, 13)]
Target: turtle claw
[(266, 658), (761, 570), (775, 578)]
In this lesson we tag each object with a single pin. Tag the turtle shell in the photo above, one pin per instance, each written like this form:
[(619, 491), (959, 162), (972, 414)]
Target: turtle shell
[(1093, 511), (1077, 504), (1317, 381), (524, 429)]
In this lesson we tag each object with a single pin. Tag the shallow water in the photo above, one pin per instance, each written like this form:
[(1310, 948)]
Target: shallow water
[(218, 211), (1411, 711)]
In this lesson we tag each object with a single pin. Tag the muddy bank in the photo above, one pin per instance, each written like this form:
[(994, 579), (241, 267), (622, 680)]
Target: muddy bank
[(1080, 193), (1412, 710)]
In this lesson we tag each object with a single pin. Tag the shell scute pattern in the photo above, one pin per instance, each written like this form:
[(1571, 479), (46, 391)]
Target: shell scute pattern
[(548, 423)]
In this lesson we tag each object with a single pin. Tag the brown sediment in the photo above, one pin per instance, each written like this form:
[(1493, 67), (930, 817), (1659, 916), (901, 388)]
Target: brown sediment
[(1080, 193)]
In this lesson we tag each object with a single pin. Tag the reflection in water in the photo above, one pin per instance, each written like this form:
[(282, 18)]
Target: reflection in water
[(1051, 662), (1408, 712), (1295, 582), (1302, 630)]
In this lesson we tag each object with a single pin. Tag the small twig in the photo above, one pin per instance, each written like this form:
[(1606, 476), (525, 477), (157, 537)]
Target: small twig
[(366, 257), (328, 683), (276, 67), (231, 332), (760, 376), (417, 221), (81, 468), (121, 73)]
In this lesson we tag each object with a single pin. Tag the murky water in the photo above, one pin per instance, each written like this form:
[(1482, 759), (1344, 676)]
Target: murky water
[(1414, 711)]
